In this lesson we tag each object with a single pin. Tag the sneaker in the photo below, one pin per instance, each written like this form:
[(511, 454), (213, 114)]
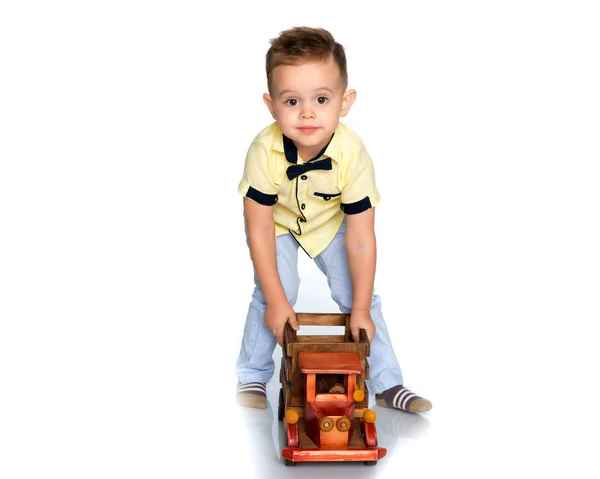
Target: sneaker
[(401, 398), (252, 395)]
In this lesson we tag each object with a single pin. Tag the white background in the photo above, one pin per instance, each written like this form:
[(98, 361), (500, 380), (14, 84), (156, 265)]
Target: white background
[(124, 274)]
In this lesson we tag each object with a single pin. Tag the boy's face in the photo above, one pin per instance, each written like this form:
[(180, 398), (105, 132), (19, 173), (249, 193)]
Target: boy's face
[(307, 100)]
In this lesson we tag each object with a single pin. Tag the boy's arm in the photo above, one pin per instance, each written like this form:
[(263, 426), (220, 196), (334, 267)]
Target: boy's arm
[(362, 258), (261, 239)]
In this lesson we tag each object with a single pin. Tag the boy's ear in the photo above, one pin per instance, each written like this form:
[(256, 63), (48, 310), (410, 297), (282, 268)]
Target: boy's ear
[(347, 101), (269, 102)]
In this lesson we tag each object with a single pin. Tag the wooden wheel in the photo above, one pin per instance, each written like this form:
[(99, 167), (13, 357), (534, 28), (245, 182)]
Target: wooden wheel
[(281, 407), (326, 424), (343, 424)]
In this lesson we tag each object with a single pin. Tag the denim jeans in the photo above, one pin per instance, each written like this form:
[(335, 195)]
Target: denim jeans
[(255, 362)]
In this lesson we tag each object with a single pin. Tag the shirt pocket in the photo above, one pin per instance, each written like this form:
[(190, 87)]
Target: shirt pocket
[(326, 196)]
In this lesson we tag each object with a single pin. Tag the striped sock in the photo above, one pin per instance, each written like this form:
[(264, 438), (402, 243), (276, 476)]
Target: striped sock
[(401, 398), (252, 395)]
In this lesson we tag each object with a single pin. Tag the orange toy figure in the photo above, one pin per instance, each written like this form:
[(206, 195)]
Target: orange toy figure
[(323, 400)]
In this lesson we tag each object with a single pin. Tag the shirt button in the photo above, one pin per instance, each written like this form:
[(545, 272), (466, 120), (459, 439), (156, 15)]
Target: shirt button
[(304, 177), (303, 206)]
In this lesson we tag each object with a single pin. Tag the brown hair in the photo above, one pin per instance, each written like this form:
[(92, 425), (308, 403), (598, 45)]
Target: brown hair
[(299, 44)]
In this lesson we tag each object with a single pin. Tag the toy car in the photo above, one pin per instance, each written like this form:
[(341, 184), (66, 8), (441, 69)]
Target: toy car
[(323, 399)]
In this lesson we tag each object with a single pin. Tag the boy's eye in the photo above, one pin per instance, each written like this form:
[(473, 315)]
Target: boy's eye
[(322, 100), (291, 102)]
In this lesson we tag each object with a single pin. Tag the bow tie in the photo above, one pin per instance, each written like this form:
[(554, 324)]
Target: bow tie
[(296, 170)]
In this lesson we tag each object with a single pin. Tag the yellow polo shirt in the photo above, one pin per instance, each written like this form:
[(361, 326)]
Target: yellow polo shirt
[(309, 204)]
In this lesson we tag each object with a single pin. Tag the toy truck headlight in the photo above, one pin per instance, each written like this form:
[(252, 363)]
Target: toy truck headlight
[(359, 395), (326, 424), (291, 416), (369, 416), (343, 424)]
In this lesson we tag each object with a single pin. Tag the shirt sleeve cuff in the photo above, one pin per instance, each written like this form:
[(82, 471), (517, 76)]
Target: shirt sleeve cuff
[(252, 193), (356, 207)]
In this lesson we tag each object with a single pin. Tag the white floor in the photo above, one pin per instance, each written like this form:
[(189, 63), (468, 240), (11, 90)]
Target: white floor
[(497, 411), (491, 440)]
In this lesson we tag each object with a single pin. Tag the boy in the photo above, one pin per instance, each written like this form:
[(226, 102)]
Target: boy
[(309, 182)]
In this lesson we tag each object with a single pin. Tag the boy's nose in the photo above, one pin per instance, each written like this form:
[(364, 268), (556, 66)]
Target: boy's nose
[(307, 113)]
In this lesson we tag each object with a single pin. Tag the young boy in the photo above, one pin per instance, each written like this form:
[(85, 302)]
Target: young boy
[(309, 182)]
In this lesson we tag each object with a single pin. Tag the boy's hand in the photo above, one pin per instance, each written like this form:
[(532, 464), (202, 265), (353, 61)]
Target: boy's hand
[(276, 315), (361, 320)]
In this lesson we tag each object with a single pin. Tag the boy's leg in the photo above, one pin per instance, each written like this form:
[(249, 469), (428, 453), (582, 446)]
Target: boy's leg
[(255, 365), (384, 369)]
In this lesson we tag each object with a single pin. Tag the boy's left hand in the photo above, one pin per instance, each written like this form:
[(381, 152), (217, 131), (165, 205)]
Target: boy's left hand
[(361, 320)]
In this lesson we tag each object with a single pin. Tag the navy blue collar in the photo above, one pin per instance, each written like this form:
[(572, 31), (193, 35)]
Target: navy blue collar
[(291, 152)]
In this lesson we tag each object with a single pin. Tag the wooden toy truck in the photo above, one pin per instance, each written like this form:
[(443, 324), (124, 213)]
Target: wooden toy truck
[(323, 400)]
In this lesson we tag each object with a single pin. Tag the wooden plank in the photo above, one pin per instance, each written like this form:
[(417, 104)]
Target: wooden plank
[(363, 338), (286, 364), (297, 381), (287, 393), (289, 336), (298, 454), (330, 362), (359, 348), (322, 319), (310, 387), (324, 339)]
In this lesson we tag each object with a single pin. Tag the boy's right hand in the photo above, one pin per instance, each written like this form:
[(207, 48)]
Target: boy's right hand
[(276, 315)]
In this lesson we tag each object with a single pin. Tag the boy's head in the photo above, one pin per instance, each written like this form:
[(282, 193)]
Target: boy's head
[(302, 45), (307, 80)]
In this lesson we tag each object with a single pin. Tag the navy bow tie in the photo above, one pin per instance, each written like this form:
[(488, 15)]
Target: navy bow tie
[(296, 170)]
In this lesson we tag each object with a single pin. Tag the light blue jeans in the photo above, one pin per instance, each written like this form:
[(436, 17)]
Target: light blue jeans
[(255, 362)]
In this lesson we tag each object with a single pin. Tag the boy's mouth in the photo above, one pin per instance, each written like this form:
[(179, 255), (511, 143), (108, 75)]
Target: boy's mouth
[(308, 129)]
